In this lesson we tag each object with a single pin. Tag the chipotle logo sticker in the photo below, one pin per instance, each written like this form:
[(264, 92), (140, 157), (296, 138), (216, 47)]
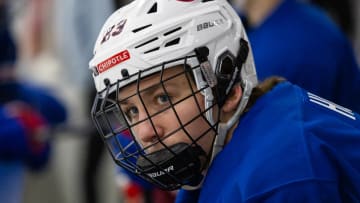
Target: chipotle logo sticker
[(113, 61)]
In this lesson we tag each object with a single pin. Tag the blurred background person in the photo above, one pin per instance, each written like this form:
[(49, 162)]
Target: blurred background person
[(12, 88), (25, 144), (300, 42), (55, 39)]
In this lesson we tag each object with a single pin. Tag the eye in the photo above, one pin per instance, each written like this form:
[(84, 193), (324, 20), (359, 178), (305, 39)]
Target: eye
[(131, 113), (163, 99)]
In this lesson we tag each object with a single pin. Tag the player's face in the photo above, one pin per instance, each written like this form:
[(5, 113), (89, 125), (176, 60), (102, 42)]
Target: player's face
[(167, 113)]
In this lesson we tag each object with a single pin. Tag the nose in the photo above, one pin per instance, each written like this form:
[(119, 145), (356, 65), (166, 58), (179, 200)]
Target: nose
[(148, 131)]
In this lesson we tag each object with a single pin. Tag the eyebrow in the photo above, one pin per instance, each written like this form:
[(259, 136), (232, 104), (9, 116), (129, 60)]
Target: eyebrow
[(148, 91)]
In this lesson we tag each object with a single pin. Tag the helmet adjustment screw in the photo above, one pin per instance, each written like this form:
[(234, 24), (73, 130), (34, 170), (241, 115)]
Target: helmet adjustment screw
[(106, 82), (202, 53), (125, 73)]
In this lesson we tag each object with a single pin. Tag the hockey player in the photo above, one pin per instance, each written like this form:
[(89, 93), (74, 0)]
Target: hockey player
[(180, 77)]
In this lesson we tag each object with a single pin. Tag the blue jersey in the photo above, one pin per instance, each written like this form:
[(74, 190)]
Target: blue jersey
[(299, 42), (292, 146)]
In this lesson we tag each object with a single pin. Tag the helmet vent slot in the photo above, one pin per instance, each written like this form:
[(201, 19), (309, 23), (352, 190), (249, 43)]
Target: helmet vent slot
[(147, 42), (153, 9), (172, 31), (152, 50), (140, 28), (173, 42)]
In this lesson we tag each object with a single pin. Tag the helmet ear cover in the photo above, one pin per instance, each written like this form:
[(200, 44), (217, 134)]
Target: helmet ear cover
[(227, 70)]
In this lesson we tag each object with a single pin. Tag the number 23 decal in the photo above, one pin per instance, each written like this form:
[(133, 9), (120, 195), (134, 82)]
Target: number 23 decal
[(114, 31)]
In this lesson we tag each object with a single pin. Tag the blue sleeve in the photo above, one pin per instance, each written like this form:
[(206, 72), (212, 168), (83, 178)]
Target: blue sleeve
[(187, 196), (315, 191)]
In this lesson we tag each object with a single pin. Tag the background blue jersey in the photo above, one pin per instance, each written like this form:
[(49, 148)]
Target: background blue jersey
[(12, 174), (46, 104), (39, 98), (292, 146), (299, 42), (13, 144), (13, 150)]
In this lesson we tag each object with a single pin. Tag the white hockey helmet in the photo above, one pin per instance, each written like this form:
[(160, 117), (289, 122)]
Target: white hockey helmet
[(148, 36)]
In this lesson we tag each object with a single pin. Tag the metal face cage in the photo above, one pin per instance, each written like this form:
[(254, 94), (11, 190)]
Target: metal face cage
[(160, 161)]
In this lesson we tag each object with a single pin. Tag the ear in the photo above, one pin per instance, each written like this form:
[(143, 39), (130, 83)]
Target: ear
[(233, 99)]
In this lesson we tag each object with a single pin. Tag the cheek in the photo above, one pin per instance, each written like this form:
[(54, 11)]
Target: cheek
[(189, 112), (194, 123)]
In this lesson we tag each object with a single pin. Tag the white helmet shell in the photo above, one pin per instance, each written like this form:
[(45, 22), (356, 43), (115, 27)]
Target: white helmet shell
[(146, 33)]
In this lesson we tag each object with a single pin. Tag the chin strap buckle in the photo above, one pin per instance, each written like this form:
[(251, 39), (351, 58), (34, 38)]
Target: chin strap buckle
[(202, 54)]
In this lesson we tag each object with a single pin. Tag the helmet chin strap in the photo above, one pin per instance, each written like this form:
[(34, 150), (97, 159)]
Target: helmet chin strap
[(209, 100), (223, 128)]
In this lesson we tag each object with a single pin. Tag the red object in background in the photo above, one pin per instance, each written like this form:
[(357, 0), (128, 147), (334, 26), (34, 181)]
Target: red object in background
[(160, 196), (33, 123), (133, 190)]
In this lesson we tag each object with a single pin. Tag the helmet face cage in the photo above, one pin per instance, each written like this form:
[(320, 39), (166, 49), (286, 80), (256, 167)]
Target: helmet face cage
[(170, 166), (145, 34)]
